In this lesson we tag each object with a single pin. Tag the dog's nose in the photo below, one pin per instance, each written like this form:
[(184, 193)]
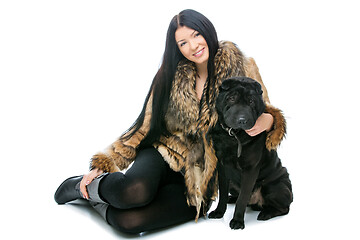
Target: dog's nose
[(242, 120)]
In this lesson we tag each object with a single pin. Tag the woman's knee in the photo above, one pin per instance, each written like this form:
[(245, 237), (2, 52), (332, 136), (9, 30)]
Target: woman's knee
[(169, 207), (127, 227), (125, 192), (125, 221), (136, 193)]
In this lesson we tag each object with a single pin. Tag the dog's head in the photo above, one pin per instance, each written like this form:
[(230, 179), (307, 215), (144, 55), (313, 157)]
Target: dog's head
[(240, 102)]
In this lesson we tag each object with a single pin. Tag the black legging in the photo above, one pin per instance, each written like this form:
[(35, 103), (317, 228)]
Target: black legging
[(148, 196)]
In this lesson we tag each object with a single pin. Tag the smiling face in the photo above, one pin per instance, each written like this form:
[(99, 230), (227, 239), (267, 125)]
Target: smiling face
[(192, 45)]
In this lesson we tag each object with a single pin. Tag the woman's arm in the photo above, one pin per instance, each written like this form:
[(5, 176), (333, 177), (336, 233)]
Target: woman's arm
[(121, 153), (263, 123), (273, 120)]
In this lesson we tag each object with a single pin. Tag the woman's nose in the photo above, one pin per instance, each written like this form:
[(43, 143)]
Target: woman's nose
[(193, 45)]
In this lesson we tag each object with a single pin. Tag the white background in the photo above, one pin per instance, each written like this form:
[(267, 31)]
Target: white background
[(74, 75)]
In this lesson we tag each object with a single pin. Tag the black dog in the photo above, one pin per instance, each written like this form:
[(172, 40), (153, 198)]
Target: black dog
[(261, 181)]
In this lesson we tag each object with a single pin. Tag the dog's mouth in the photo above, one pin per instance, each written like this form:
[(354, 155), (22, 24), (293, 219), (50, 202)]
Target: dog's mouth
[(239, 125), (238, 121)]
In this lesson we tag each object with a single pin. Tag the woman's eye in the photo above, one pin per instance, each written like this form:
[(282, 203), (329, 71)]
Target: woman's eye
[(182, 44), (197, 34)]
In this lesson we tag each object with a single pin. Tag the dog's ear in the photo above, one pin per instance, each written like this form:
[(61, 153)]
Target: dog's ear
[(259, 90), (256, 88), (226, 85)]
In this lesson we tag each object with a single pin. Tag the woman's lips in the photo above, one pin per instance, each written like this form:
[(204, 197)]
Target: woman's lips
[(199, 53)]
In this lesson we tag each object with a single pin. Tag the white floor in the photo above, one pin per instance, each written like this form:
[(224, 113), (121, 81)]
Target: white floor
[(325, 200), (320, 210), (74, 74)]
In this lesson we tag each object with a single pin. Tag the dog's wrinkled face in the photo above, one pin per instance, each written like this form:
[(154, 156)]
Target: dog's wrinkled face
[(240, 102)]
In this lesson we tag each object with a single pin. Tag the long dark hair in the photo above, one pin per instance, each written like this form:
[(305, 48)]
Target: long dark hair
[(162, 82)]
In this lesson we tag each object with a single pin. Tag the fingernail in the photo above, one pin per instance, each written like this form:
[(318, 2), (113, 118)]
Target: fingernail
[(87, 182)]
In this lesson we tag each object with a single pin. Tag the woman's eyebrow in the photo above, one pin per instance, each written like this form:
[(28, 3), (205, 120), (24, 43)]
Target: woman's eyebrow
[(190, 35)]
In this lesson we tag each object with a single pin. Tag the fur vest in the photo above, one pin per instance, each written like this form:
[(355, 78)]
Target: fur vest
[(188, 149)]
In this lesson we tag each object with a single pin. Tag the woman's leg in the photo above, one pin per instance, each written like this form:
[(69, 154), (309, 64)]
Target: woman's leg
[(148, 196), (168, 208), (136, 187), (139, 185)]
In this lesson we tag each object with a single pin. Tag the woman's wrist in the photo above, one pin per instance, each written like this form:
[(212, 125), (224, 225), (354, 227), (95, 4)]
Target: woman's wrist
[(271, 122)]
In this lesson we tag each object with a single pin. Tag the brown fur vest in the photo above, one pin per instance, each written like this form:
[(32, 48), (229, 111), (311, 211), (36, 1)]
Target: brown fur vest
[(188, 120)]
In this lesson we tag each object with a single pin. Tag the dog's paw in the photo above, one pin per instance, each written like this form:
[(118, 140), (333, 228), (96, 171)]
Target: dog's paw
[(236, 224), (264, 215), (232, 199), (267, 214), (216, 214)]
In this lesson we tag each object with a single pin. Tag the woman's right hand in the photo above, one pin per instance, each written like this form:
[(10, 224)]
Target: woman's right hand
[(87, 179)]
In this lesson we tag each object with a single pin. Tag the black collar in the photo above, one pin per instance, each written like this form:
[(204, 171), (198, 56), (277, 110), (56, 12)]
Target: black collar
[(232, 133), (229, 130)]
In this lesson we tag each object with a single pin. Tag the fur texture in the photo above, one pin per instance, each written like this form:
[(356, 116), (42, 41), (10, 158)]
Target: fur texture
[(188, 149), (255, 171)]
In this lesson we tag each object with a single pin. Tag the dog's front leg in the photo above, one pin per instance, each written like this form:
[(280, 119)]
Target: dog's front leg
[(223, 194), (248, 178)]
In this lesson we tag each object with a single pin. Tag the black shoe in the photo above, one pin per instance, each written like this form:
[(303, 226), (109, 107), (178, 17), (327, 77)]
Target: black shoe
[(68, 191)]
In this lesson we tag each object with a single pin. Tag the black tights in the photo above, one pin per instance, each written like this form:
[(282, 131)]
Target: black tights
[(148, 196)]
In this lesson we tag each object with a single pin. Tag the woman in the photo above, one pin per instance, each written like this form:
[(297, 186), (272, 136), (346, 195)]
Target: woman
[(168, 144)]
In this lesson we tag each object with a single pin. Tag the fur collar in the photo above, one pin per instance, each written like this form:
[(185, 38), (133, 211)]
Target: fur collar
[(186, 113), (189, 120)]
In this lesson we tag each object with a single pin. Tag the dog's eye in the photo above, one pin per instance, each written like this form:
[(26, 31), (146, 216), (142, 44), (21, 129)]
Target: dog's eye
[(231, 98), (252, 102)]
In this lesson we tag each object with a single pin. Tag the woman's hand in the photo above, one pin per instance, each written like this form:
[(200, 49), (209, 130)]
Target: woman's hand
[(263, 123), (87, 179)]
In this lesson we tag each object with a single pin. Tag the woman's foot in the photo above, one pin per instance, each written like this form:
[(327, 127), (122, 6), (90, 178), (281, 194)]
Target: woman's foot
[(69, 190)]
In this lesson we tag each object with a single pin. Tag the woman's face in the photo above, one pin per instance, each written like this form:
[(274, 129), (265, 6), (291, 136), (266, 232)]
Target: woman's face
[(192, 45)]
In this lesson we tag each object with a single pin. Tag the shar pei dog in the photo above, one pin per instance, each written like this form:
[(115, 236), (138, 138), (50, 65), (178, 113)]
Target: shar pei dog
[(253, 174)]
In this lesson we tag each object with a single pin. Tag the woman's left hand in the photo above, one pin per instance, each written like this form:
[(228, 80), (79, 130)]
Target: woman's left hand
[(263, 123)]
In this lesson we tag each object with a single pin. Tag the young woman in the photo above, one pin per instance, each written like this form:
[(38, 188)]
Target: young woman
[(173, 176)]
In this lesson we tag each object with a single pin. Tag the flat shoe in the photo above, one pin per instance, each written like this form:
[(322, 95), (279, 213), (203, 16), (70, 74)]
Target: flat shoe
[(68, 191)]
